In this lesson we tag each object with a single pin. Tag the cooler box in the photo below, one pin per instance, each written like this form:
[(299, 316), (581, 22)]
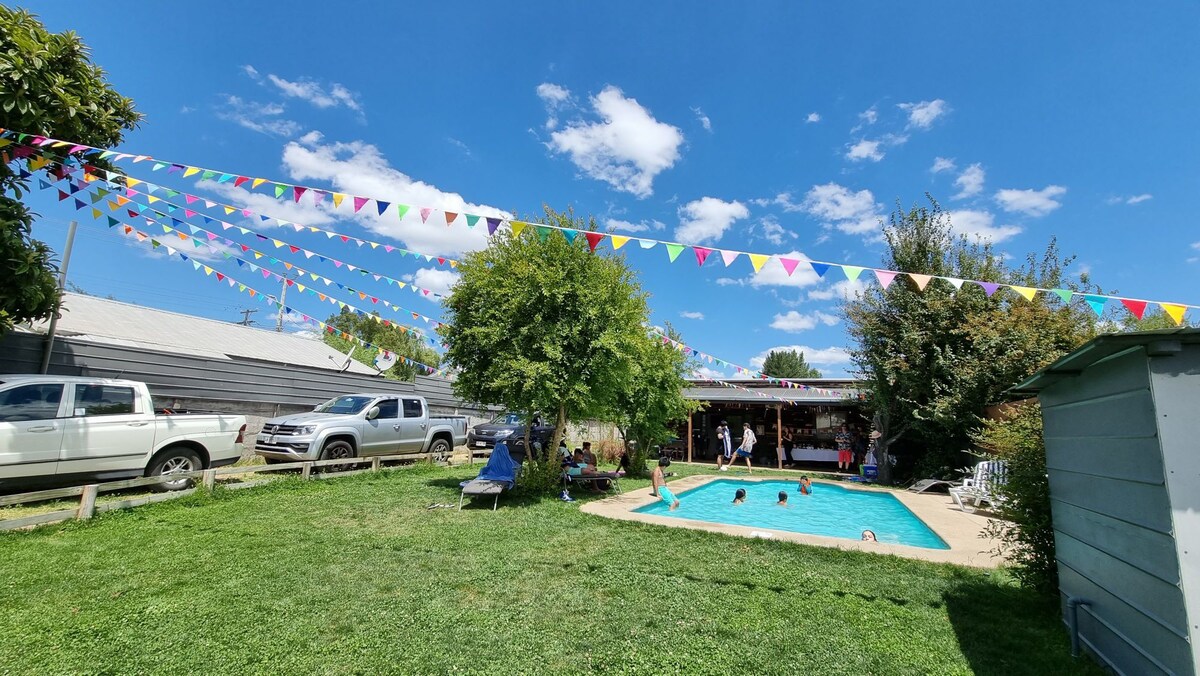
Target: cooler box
[(870, 471)]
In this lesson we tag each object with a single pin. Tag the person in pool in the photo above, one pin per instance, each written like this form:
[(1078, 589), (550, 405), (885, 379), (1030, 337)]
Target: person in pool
[(805, 485), (739, 496), (869, 536), (659, 482), (782, 499)]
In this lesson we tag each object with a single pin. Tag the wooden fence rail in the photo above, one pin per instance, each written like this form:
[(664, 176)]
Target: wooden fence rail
[(207, 479)]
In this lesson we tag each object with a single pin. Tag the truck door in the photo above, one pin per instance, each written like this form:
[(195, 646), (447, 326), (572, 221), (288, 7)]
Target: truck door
[(31, 430), (382, 435), (105, 431), (415, 426)]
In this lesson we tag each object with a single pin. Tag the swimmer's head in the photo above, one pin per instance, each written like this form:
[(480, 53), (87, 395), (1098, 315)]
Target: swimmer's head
[(869, 536), (782, 496), (740, 494), (664, 461)]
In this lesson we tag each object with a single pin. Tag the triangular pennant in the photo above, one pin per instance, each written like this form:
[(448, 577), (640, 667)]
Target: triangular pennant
[(988, 287), (382, 206), (472, 220), (701, 254), (673, 250), (425, 214), (542, 232), (401, 209), (1096, 302), (920, 280), (1136, 307), (1064, 295), (885, 277), (337, 199), (493, 224), (852, 272), (450, 216), (517, 227), (954, 281), (570, 235), (1174, 311), (819, 268), (618, 241), (789, 264), (1026, 292), (647, 243), (298, 192), (279, 188), (594, 239), (758, 260)]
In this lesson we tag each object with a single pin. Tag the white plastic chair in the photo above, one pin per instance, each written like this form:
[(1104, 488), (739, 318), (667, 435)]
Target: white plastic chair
[(982, 487)]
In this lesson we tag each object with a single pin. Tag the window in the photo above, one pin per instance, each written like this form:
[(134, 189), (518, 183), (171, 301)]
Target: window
[(412, 408), (388, 409), (30, 402), (91, 400)]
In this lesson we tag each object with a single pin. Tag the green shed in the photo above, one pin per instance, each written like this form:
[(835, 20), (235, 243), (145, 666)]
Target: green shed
[(1122, 429)]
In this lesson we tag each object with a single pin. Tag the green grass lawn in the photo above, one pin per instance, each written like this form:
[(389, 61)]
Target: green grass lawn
[(357, 575)]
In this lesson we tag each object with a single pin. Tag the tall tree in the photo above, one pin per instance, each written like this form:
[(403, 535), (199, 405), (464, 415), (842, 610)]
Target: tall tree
[(371, 329), (933, 359), (48, 86), (788, 364), (539, 323)]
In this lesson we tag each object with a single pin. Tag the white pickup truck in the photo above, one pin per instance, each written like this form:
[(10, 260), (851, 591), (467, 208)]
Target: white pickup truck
[(62, 430), (358, 425)]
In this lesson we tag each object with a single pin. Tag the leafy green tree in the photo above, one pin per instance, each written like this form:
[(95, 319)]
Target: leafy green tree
[(48, 86), (788, 364), (539, 323), (390, 338), (933, 359), (648, 409)]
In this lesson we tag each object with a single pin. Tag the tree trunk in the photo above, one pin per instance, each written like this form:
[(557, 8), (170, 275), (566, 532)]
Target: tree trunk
[(560, 430)]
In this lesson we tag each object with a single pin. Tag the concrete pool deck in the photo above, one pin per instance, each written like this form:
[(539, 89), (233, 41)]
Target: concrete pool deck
[(963, 532)]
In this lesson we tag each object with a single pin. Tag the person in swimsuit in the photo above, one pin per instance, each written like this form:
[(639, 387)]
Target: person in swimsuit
[(724, 446), (805, 485), (782, 499), (739, 496), (659, 483), (869, 536)]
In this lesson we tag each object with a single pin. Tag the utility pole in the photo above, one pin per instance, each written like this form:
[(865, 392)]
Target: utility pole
[(246, 321), (282, 302), (62, 283)]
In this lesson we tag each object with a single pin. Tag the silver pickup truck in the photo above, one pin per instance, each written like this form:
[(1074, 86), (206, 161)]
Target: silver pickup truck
[(359, 425)]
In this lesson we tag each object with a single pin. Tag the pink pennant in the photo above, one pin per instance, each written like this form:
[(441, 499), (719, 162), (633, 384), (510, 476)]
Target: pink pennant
[(729, 257), (701, 254), (885, 277), (191, 199), (425, 214), (298, 192), (789, 264), (359, 202)]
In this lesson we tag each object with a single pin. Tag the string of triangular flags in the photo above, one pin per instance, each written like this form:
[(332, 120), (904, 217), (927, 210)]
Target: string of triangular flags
[(242, 287), (194, 201), (709, 379), (1097, 302), (241, 262), (693, 352), (119, 196)]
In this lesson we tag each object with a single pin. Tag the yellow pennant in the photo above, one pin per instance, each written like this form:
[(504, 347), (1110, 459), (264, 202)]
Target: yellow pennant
[(96, 212), (191, 171), (920, 280), (758, 260), (257, 182), (229, 210), (301, 287), (207, 270), (517, 227), (257, 255), (277, 243), (113, 206), (453, 264), (1176, 312), (315, 276), (1025, 292), (39, 162), (337, 199), (86, 177), (618, 241), (151, 199), (133, 182)]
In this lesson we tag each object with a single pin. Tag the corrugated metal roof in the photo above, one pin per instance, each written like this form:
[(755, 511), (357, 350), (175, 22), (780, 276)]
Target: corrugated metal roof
[(774, 395), (100, 320), (1103, 347)]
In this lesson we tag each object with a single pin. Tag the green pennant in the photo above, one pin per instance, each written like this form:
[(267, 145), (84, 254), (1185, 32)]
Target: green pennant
[(1064, 294), (852, 272), (172, 193), (113, 222), (207, 174), (96, 198), (197, 243), (279, 190), (673, 250), (401, 209), (472, 220), (542, 232), (154, 244)]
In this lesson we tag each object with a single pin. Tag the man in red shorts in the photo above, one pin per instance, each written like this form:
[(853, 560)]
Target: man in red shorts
[(845, 457)]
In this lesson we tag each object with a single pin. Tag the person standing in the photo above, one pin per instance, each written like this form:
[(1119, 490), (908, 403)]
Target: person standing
[(746, 450), (845, 456), (789, 442), (724, 447)]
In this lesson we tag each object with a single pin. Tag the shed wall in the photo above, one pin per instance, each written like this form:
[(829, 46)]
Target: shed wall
[(1112, 516)]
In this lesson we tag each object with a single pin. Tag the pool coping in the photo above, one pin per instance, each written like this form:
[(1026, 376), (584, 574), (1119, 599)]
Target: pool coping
[(962, 531)]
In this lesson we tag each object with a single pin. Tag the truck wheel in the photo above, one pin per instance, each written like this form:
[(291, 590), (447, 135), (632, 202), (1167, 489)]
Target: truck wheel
[(440, 450), (337, 449), (174, 460)]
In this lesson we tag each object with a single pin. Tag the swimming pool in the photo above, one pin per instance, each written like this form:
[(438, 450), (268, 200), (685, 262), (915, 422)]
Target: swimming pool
[(831, 510)]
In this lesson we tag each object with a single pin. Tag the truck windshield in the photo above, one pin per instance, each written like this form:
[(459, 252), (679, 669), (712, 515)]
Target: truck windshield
[(344, 405), (509, 419)]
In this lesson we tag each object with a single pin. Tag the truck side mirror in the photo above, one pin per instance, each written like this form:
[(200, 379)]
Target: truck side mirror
[(373, 413)]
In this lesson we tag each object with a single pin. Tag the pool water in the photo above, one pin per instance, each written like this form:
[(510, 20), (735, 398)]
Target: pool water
[(831, 510)]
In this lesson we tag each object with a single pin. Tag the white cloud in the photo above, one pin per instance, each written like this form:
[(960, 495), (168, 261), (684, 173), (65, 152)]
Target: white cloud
[(616, 225), (303, 212), (435, 279), (710, 373), (941, 164), (812, 118), (830, 356), (865, 150), (459, 144), (773, 232), (260, 117), (556, 98), (358, 168), (869, 116), (252, 72), (924, 113), (1133, 199), (704, 121), (1031, 202), (627, 148), (707, 219), (842, 290), (980, 225), (187, 109), (970, 182), (774, 274), (312, 91), (795, 322), (692, 315), (854, 213)]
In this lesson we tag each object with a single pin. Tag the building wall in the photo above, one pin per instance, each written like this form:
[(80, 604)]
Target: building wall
[(1112, 516)]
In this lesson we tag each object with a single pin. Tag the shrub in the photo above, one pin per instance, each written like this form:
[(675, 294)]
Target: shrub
[(1027, 535), (608, 451)]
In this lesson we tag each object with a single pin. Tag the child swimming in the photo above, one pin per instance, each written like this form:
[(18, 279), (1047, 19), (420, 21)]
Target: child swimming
[(805, 486), (660, 484), (782, 499), (739, 496), (869, 536)]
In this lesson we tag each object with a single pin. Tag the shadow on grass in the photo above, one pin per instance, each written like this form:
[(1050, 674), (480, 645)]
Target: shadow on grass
[(516, 497), (1000, 626)]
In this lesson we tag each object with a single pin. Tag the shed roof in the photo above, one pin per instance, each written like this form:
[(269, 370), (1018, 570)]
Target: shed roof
[(99, 320), (832, 391), (1106, 346)]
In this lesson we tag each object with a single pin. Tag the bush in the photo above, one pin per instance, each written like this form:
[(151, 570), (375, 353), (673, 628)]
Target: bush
[(608, 451), (1027, 535)]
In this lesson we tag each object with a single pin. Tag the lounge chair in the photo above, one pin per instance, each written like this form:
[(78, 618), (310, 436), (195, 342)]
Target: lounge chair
[(497, 476), (613, 477), (982, 487)]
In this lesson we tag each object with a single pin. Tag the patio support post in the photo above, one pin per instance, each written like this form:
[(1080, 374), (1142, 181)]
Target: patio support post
[(779, 433), (689, 433)]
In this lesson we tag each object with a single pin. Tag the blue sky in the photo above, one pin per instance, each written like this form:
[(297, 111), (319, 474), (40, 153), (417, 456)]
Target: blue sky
[(771, 127)]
